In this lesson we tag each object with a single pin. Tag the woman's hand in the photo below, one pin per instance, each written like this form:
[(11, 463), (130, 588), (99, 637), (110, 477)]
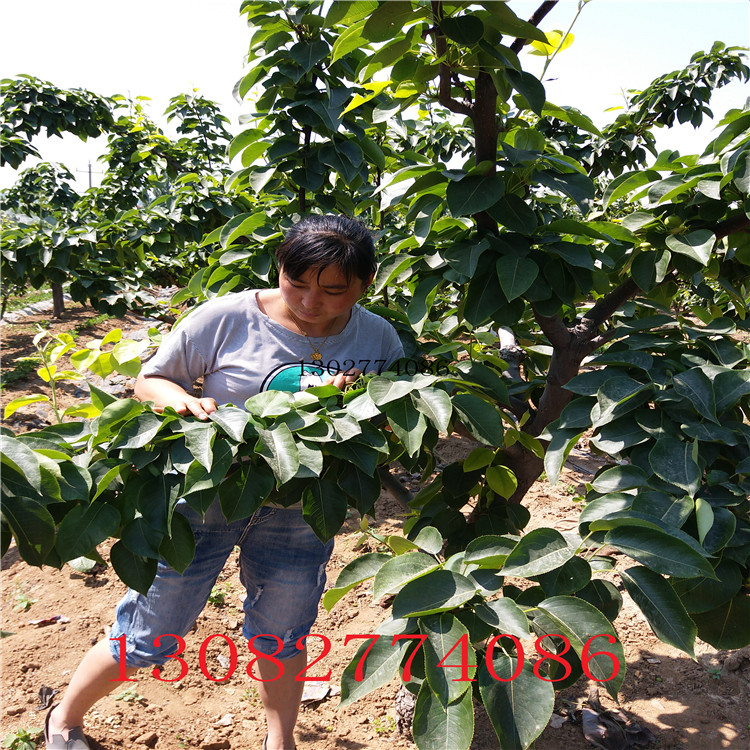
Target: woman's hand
[(342, 379), (165, 393)]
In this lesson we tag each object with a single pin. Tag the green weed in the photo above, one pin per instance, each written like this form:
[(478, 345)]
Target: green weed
[(130, 695), (23, 739), (219, 594), (24, 366), (386, 726), (23, 601)]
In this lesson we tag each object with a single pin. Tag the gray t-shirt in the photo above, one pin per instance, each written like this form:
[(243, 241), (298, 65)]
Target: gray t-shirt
[(239, 351)]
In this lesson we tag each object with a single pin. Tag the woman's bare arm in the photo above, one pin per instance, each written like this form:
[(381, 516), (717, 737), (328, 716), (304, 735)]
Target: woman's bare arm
[(165, 393)]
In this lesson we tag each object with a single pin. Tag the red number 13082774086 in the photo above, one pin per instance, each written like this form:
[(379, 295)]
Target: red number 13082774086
[(461, 645)]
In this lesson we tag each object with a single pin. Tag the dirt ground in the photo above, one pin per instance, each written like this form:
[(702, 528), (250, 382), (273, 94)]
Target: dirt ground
[(698, 705)]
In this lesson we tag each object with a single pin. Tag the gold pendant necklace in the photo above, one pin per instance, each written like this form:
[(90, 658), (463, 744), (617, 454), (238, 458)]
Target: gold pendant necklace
[(316, 355)]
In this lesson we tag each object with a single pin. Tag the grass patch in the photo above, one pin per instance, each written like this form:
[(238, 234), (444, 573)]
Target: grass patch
[(24, 366), (91, 323), (19, 301)]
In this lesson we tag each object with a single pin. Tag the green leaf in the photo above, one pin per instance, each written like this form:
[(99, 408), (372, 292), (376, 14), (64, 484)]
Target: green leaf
[(627, 183), (443, 634), (32, 526), (178, 548), (388, 20), (396, 573), (408, 424), (354, 573), (18, 403), (379, 668), (430, 540), (473, 194), (619, 478), (134, 571), (741, 172), (730, 387), (570, 115), (604, 596), (672, 461), (502, 480), (695, 385), (578, 187), (232, 421), (696, 245), (308, 54), (562, 442), (242, 225), (324, 508), (489, 551), (466, 29), (139, 431), (505, 616), (437, 591), (436, 405), (278, 448), (199, 439), (659, 551), (567, 579), (382, 390), (349, 40), (514, 214), (245, 495), (480, 418), (439, 727), (361, 487), (662, 608), (519, 709), (726, 626), (84, 527), (99, 398), (539, 551), (529, 86), (507, 22), (704, 594), (578, 621), (20, 457), (516, 275), (198, 479)]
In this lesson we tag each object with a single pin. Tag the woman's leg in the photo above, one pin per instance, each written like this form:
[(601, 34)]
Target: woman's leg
[(281, 699), (172, 605), (94, 678), (282, 566)]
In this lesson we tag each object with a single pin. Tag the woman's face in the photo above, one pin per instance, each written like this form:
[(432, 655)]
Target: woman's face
[(319, 297)]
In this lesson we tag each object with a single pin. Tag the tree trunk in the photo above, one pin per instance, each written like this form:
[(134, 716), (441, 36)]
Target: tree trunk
[(58, 303)]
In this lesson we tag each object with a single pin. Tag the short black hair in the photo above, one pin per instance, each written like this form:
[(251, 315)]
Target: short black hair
[(320, 241)]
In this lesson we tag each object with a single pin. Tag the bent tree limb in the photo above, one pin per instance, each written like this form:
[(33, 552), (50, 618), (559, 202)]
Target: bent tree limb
[(570, 346)]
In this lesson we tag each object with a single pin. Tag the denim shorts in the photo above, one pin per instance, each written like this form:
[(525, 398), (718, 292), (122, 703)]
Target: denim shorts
[(282, 567)]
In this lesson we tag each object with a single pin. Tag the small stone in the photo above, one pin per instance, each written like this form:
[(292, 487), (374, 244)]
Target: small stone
[(14, 710), (225, 721), (212, 741), (556, 721), (734, 661), (149, 739)]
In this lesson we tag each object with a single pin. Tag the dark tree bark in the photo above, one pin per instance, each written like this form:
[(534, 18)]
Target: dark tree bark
[(58, 303)]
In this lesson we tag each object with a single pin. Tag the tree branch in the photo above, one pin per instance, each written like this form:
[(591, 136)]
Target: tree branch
[(554, 329), (441, 47), (535, 20), (731, 225), (606, 307)]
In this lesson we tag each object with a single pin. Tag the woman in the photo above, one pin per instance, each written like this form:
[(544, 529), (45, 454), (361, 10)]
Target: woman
[(309, 330)]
